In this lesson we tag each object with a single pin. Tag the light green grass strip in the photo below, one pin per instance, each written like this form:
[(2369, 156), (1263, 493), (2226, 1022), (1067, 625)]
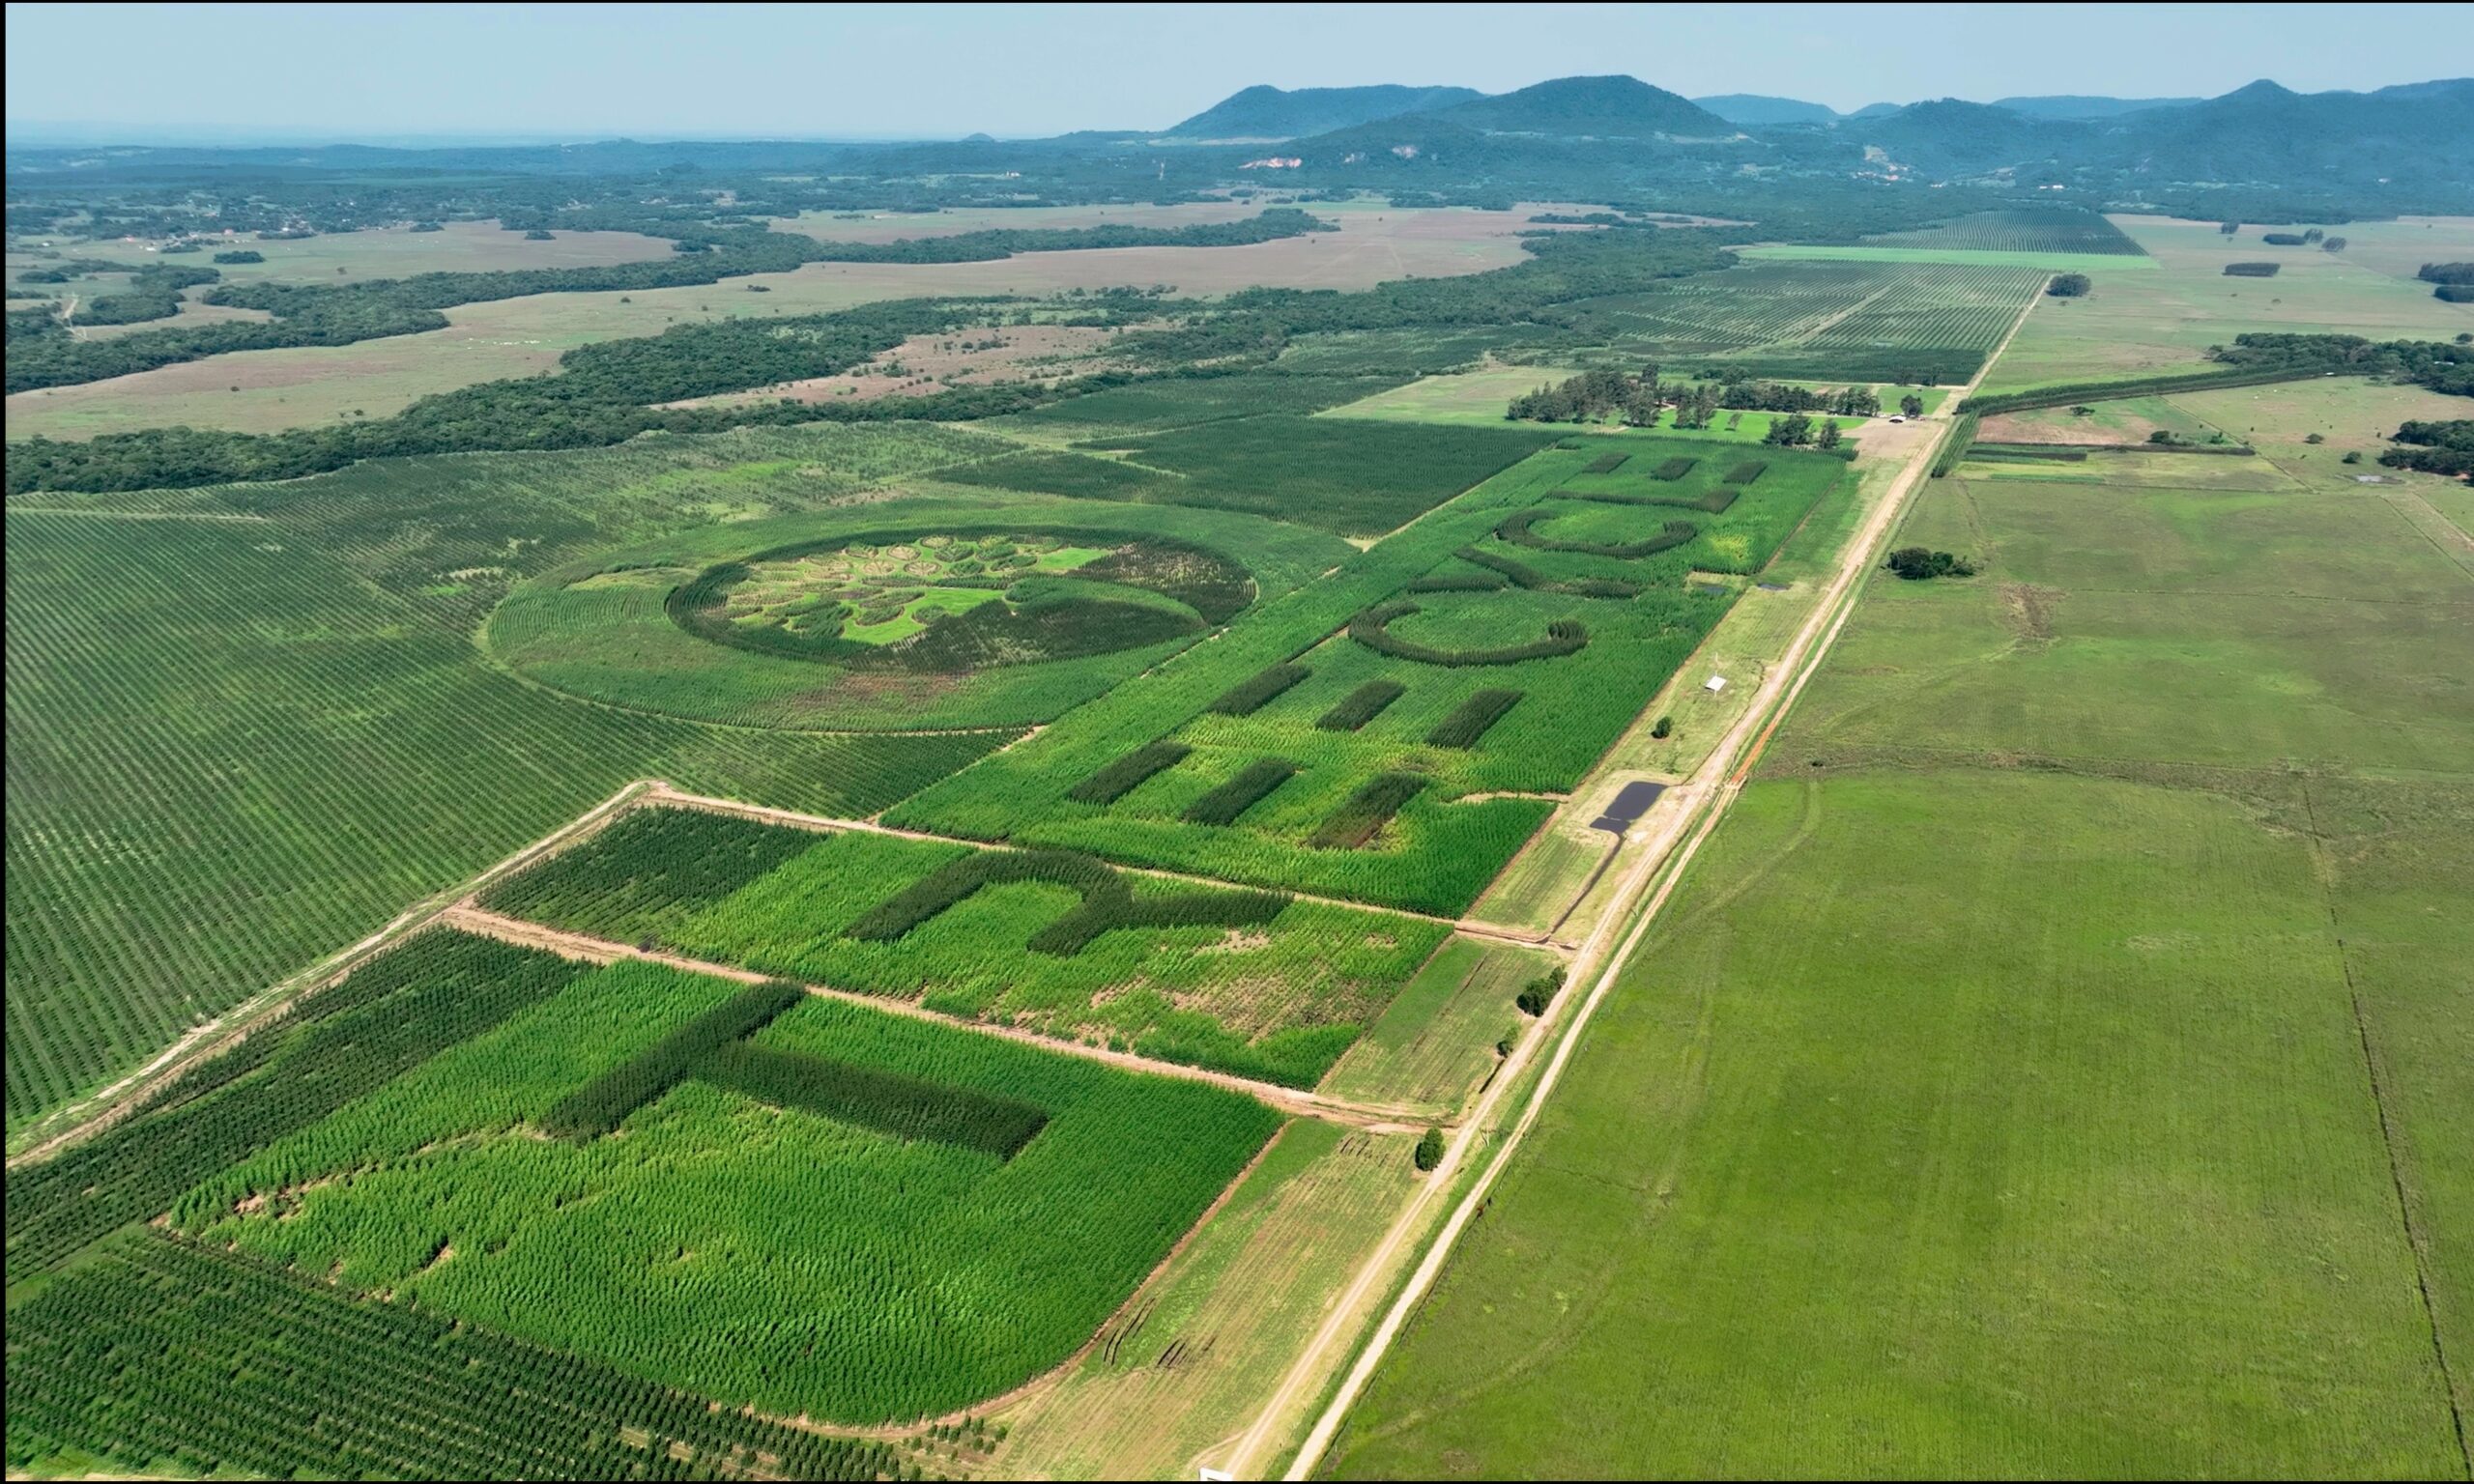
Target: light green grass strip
[(1961, 257)]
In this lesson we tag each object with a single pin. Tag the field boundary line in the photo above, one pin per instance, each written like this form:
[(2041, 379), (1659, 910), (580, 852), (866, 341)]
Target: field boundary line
[(101, 1109), (2416, 1235), (1706, 796), (480, 921)]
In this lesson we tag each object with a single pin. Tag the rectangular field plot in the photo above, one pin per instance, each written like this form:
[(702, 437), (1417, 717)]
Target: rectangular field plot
[(1343, 477), (1869, 321), (747, 1231), (1248, 983), (1559, 591)]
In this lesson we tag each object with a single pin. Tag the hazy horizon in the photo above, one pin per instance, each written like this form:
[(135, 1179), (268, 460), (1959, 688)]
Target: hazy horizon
[(461, 73)]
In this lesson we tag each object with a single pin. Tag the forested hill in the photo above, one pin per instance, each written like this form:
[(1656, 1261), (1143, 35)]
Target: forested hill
[(1593, 108), (1264, 112)]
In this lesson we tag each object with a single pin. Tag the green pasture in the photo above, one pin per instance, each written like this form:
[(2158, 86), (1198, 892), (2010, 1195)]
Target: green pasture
[(2155, 323), (1983, 1124), (2222, 628)]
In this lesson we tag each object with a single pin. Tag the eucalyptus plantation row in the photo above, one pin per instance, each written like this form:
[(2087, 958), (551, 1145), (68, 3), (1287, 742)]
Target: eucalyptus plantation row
[(327, 1049), (1244, 981), (164, 1351), (1256, 758)]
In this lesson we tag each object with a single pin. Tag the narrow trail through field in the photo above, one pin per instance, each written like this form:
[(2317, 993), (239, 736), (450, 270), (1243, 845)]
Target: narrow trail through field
[(584, 948), (1686, 815)]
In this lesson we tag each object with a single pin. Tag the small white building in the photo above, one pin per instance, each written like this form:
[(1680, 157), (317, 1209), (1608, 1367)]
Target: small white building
[(1714, 684)]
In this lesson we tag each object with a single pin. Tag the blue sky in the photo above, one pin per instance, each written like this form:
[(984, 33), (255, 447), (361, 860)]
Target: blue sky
[(856, 71)]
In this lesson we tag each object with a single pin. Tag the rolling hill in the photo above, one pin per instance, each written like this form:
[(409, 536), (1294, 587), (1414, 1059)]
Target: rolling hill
[(1263, 112)]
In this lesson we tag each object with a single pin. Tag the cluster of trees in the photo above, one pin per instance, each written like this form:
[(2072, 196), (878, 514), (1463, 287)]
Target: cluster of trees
[(1916, 564), (2443, 366), (2293, 239), (2453, 282), (1797, 431), (1638, 400), (2252, 270), (2068, 286), (2434, 448)]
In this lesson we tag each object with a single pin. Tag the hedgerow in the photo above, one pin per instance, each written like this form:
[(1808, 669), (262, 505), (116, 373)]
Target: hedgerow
[(602, 1103), (1373, 629), (1128, 772), (1472, 718), (1361, 705), (1251, 786), (773, 1256), (1366, 811), (1516, 529), (1258, 690), (1108, 902)]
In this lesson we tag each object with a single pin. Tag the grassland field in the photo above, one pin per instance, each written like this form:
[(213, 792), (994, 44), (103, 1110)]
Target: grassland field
[(2135, 324), (304, 385), (2078, 907)]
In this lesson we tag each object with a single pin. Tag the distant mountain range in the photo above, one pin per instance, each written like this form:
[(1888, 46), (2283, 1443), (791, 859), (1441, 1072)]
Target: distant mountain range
[(1614, 127), (1754, 109), (1276, 113)]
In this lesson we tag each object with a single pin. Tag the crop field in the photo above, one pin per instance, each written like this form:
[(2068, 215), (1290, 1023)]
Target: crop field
[(1353, 480), (2022, 229), (1523, 630), (1153, 407), (1204, 1343), (604, 628), (1243, 982), (2153, 323), (310, 385), (1907, 322), (818, 1189), (167, 1356), (330, 747), (1941, 1070)]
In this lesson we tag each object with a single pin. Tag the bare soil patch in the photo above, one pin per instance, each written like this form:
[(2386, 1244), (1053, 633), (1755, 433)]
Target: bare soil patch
[(923, 365)]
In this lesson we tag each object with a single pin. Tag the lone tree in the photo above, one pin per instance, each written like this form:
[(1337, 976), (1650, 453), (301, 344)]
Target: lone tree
[(1911, 405), (1430, 1149), (2068, 286), (1827, 437)]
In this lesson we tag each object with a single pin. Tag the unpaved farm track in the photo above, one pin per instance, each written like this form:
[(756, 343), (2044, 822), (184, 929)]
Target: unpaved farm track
[(1692, 811), (1374, 1118)]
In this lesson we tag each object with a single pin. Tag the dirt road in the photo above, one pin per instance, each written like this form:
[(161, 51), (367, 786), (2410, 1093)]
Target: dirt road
[(1374, 1118), (1690, 814)]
